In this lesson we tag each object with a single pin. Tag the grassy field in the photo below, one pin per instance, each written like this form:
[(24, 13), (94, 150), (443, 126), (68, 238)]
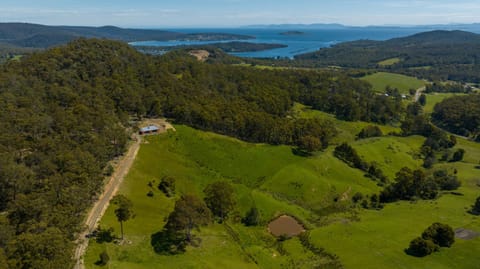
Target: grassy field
[(403, 83), (435, 98), (389, 62), (277, 182), (197, 158)]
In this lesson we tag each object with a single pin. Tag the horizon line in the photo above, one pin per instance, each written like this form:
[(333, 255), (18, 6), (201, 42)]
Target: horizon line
[(254, 25)]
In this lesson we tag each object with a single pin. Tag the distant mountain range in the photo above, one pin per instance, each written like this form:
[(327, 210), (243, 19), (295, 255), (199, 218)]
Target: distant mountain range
[(42, 36), (465, 27)]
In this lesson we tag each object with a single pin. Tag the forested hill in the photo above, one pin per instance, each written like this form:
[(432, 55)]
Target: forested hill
[(436, 55), (66, 112), (42, 36)]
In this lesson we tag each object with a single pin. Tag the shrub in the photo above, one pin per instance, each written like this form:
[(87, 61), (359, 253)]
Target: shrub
[(420, 247), (349, 155), (104, 235), (370, 131), (476, 207), (252, 218), (104, 259), (436, 236), (357, 197), (108, 170), (167, 186), (446, 182), (458, 155), (441, 234)]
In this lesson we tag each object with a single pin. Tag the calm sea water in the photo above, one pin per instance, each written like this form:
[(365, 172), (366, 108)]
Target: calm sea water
[(311, 40)]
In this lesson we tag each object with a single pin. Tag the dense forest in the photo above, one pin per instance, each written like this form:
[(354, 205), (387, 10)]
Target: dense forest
[(66, 113), (459, 115)]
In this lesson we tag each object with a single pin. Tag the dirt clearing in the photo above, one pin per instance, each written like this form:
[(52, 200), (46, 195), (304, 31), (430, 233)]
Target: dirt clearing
[(201, 55), (285, 226), (466, 234)]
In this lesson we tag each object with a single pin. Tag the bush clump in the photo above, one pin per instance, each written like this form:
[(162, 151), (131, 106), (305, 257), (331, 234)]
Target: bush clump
[(436, 236)]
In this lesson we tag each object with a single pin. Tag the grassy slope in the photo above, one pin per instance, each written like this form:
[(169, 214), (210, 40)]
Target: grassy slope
[(277, 181), (435, 98), (347, 130), (197, 158), (389, 62), (403, 83), (379, 238)]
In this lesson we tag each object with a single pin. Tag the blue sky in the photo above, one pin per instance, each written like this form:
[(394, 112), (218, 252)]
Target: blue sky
[(227, 13)]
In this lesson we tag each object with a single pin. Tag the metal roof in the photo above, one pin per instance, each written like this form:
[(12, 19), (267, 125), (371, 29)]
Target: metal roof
[(150, 128)]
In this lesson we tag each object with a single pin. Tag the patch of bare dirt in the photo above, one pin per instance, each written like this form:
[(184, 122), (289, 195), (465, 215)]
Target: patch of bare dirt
[(344, 195), (201, 55), (162, 123), (466, 234)]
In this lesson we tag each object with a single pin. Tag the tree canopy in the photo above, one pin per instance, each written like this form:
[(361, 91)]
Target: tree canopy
[(219, 197)]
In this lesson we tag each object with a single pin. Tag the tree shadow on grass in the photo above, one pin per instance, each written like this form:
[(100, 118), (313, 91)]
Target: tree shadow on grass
[(473, 212), (301, 152), (168, 243)]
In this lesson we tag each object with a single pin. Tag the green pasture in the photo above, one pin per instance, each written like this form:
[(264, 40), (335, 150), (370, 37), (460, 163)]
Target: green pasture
[(276, 181), (389, 62), (403, 83)]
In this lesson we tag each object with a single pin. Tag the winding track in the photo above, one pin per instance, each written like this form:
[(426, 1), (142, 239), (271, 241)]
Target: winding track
[(419, 92)]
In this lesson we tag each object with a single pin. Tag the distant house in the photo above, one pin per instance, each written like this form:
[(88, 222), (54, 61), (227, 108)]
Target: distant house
[(151, 129)]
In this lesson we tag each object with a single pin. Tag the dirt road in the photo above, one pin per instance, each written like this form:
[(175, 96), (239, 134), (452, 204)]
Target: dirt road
[(419, 93), (110, 189), (101, 205)]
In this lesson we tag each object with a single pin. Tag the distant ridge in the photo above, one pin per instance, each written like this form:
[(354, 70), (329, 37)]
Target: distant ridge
[(42, 36), (436, 55), (438, 36), (425, 41), (475, 27)]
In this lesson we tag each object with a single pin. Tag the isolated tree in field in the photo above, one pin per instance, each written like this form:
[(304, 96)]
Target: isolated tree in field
[(420, 247), (441, 234), (219, 198), (422, 100), (436, 236), (104, 259), (370, 131), (458, 155), (124, 210), (189, 213), (476, 207)]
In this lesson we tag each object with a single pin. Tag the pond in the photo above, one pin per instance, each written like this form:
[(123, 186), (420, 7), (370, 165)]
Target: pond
[(285, 226)]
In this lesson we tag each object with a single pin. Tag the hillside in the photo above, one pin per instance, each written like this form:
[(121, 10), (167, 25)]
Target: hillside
[(349, 165), (68, 111), (42, 36), (436, 55), (283, 183)]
